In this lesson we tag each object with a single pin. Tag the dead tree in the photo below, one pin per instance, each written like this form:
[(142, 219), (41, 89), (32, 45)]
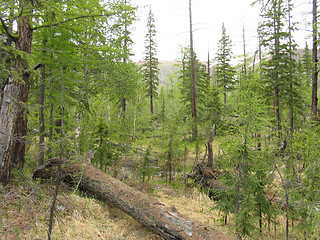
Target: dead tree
[(166, 222)]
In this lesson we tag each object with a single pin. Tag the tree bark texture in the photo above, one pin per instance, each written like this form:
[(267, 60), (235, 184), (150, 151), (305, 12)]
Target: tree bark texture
[(164, 221), (9, 111)]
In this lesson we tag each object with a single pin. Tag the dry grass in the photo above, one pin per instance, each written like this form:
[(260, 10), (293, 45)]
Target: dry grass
[(24, 215), (24, 208), (196, 205)]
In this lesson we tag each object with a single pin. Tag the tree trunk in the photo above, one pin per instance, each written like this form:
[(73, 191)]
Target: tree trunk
[(151, 104), (210, 151), (193, 84), (14, 155), (41, 115), (315, 65), (123, 106), (8, 114), (276, 77), (164, 221)]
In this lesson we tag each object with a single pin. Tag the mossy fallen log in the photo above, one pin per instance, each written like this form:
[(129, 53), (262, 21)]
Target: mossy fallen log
[(165, 221)]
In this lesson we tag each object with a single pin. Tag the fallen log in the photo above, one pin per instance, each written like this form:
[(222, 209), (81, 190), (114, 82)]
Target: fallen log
[(166, 222)]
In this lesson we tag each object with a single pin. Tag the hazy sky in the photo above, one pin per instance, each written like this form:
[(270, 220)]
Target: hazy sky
[(172, 25)]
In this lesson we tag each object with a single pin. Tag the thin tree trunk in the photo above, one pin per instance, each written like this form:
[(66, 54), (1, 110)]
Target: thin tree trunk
[(151, 104), (276, 77), (193, 84), (170, 159), (41, 115), (208, 65), (239, 237), (291, 75), (315, 65), (123, 106), (50, 130), (210, 151)]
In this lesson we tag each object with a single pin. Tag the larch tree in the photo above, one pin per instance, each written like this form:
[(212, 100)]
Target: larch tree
[(123, 84), (151, 62), (281, 85), (225, 73), (29, 16)]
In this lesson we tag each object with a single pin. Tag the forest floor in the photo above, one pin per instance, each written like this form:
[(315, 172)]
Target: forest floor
[(25, 205)]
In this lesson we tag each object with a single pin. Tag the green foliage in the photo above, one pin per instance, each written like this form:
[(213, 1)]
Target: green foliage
[(106, 153), (208, 103), (225, 73), (150, 65), (147, 166), (279, 78)]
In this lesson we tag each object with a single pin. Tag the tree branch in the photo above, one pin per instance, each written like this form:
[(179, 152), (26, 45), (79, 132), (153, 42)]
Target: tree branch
[(72, 19), (38, 66), (7, 31)]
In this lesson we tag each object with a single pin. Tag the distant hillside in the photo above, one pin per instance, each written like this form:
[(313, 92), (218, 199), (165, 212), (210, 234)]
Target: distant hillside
[(167, 68)]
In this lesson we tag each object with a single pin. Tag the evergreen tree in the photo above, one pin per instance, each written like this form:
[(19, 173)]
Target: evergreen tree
[(225, 73), (202, 80), (278, 72), (150, 66), (123, 83)]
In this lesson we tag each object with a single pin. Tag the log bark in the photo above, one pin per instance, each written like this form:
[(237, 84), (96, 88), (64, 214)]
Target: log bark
[(166, 222)]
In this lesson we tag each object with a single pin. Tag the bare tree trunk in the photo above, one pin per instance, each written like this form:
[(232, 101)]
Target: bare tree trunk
[(151, 103), (291, 75), (210, 151), (123, 106), (170, 159), (51, 123), (166, 222), (276, 77), (208, 66), (41, 115), (315, 65), (193, 86)]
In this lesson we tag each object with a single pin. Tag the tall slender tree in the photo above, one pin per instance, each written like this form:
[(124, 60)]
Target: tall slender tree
[(193, 83), (151, 62), (315, 61), (225, 73), (281, 85)]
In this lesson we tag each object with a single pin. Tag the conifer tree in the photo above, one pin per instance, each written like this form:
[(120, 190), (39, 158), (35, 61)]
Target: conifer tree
[(315, 61), (203, 90), (278, 73), (225, 73), (151, 62)]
